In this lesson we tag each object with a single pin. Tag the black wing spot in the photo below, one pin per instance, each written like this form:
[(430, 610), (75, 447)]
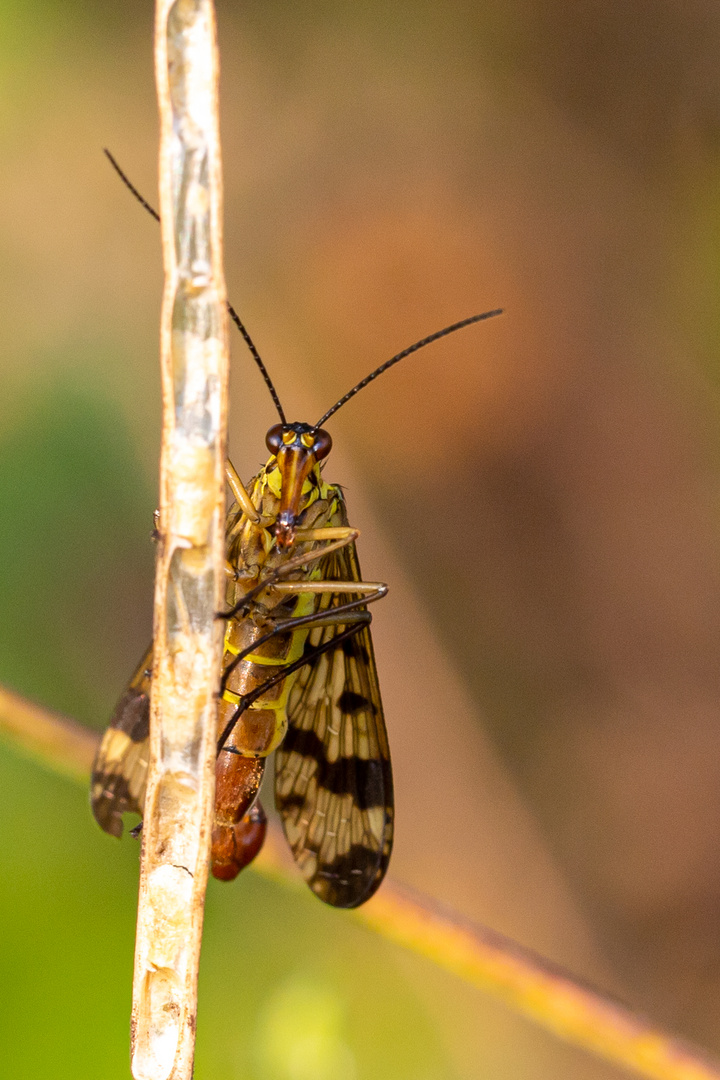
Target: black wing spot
[(350, 703), (353, 648), (132, 715), (350, 879), (308, 648), (368, 781), (293, 802)]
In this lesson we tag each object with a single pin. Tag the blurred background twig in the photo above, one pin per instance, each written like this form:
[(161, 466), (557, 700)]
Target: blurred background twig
[(549, 996)]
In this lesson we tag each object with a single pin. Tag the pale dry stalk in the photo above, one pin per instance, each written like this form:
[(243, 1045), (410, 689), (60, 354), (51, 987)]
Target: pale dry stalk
[(189, 582)]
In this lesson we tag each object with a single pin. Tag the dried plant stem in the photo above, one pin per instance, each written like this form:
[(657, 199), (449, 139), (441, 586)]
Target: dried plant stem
[(189, 579), (552, 998)]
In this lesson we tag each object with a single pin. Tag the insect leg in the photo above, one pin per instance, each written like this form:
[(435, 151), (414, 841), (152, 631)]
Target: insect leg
[(352, 615), (330, 618), (240, 493), (333, 586), (329, 532), (247, 699), (287, 568)]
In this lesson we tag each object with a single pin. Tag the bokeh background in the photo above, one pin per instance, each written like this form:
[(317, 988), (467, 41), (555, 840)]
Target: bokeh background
[(541, 493)]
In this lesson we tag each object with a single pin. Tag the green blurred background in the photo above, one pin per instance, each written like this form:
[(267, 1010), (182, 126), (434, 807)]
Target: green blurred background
[(540, 492)]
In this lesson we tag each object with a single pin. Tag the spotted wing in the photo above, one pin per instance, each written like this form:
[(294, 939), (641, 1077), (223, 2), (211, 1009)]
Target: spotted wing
[(119, 773), (333, 784)]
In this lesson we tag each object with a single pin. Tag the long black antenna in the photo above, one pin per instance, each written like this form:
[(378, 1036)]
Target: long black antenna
[(130, 186), (231, 310), (401, 355), (256, 357)]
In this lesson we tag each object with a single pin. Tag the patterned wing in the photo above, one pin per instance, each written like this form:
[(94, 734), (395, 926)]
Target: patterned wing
[(119, 773), (333, 784)]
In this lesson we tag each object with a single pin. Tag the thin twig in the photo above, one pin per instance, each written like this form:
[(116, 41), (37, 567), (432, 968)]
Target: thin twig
[(545, 993), (553, 998), (189, 580), (60, 743)]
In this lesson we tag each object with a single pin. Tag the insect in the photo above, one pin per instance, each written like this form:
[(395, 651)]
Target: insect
[(299, 675)]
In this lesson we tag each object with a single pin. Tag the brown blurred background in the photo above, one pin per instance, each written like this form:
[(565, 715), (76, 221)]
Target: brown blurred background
[(540, 492)]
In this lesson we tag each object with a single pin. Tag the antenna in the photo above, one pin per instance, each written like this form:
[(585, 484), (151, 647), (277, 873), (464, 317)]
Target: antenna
[(231, 310), (256, 357), (401, 355)]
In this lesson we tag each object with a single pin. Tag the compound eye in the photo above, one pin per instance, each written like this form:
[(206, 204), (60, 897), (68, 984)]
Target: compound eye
[(323, 444), (274, 438)]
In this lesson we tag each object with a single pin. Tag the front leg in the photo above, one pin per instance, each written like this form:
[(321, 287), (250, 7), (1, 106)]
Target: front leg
[(247, 700), (340, 615), (240, 492), (346, 536)]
